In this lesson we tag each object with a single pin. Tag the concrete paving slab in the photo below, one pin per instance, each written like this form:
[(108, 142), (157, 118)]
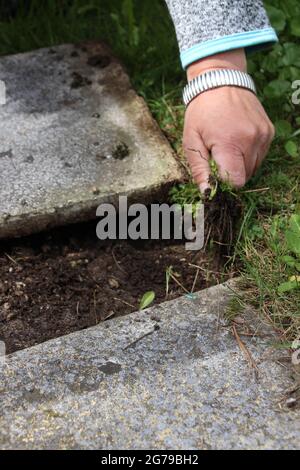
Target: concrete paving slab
[(73, 134), (171, 377)]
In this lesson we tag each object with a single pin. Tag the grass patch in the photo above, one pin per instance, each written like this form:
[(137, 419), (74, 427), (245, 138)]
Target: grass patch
[(142, 35), (234, 308)]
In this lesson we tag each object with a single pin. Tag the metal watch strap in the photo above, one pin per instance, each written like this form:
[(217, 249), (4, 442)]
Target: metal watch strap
[(215, 79)]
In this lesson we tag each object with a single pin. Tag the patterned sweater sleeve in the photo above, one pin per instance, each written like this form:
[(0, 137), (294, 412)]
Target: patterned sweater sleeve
[(207, 27)]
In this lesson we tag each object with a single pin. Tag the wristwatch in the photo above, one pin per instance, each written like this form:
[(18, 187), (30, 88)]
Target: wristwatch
[(216, 79)]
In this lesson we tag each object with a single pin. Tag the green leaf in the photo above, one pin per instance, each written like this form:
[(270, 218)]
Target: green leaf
[(294, 71), (289, 260), (291, 148), (292, 235), (147, 299), (270, 63), (277, 18), (252, 66), (288, 286), (256, 231), (86, 9), (295, 26), (291, 54), (290, 7), (277, 89), (283, 129)]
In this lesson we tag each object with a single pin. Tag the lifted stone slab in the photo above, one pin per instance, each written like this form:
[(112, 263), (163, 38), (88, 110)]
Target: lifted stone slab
[(73, 134), (171, 377)]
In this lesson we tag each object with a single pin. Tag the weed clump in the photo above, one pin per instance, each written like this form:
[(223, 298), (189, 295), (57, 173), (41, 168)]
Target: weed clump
[(222, 209)]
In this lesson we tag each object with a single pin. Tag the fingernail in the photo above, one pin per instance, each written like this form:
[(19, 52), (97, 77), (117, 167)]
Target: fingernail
[(204, 187)]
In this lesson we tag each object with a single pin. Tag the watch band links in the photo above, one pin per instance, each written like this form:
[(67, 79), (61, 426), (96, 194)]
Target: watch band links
[(215, 79)]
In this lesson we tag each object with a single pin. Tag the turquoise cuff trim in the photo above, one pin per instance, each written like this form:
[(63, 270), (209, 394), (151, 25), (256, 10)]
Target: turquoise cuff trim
[(248, 39)]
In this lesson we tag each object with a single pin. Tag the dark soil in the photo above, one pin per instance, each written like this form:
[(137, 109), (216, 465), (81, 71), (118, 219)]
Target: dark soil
[(58, 282)]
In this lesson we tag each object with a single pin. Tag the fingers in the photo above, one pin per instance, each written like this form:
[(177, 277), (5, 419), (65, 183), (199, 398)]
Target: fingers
[(198, 159), (231, 126), (231, 164), (263, 146), (238, 163)]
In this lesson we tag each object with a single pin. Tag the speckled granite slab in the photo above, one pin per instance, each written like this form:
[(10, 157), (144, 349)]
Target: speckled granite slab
[(172, 377)]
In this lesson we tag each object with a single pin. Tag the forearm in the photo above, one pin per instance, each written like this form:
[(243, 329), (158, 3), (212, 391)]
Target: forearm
[(235, 59), (228, 123), (208, 27)]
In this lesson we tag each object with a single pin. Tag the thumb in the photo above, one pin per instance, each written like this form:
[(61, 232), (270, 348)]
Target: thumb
[(231, 164), (198, 158)]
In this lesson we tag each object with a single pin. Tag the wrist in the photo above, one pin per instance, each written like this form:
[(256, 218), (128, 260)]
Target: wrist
[(235, 59)]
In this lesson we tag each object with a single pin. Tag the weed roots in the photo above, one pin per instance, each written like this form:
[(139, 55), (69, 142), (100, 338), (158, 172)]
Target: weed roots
[(222, 215)]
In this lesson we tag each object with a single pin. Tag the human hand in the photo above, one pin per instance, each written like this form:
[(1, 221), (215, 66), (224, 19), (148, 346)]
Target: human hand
[(228, 123)]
